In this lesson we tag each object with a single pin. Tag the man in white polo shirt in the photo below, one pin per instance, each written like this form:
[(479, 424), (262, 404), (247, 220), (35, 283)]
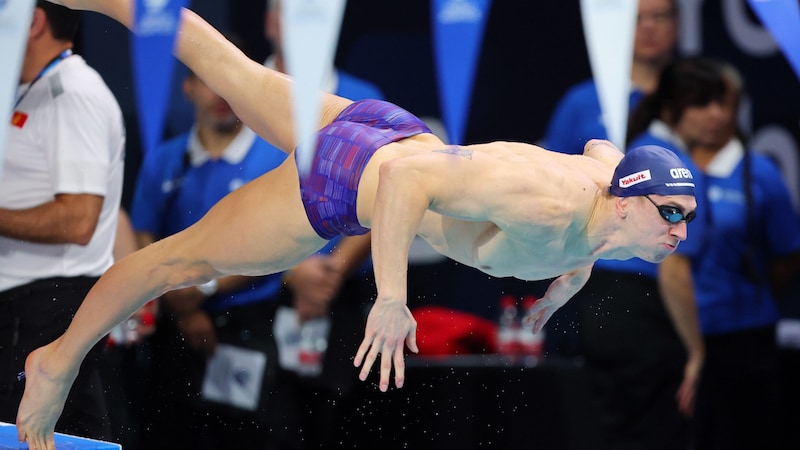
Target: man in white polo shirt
[(60, 190)]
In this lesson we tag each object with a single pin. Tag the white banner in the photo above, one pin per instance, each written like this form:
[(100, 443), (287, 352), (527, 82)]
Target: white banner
[(609, 27), (15, 21), (310, 35)]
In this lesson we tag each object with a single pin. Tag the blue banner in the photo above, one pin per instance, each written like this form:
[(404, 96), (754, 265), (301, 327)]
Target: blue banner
[(782, 19), (15, 20), (155, 24), (458, 38)]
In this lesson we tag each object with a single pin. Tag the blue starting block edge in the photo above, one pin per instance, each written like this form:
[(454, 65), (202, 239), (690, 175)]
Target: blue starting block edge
[(9, 441)]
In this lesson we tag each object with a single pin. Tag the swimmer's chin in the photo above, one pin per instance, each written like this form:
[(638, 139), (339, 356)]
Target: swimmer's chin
[(661, 256)]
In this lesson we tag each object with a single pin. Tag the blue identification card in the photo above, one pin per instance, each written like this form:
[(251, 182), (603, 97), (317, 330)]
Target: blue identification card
[(9, 441)]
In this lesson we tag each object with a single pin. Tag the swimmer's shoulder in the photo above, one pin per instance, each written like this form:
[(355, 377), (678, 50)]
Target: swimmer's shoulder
[(603, 151)]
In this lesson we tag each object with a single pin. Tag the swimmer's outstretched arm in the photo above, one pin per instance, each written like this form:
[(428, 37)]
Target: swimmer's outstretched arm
[(259, 96), (390, 322), (407, 188)]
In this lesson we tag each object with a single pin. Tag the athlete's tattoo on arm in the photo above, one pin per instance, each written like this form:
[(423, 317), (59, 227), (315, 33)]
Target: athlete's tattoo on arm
[(458, 151), (595, 144), (598, 142)]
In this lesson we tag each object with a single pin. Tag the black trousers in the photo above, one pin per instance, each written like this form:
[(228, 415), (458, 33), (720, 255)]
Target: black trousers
[(34, 315), (634, 360), (316, 412), (738, 399), (175, 414)]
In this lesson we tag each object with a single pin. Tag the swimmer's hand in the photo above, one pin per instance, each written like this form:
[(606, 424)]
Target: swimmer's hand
[(43, 400), (558, 294), (540, 313), (389, 325)]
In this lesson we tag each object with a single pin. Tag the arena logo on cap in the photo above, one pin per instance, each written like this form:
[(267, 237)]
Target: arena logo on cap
[(680, 172), (635, 178)]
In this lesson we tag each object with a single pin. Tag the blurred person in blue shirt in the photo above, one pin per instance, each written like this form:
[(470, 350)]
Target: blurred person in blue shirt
[(756, 235), (635, 323), (578, 119)]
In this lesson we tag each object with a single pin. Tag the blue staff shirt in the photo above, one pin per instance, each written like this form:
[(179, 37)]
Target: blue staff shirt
[(728, 299), (175, 188), (578, 119)]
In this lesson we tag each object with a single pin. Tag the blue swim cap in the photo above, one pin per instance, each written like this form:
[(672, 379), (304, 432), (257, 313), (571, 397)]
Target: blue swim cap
[(651, 169)]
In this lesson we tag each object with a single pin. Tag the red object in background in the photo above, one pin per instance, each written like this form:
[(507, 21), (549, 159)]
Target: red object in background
[(139, 325), (149, 313), (18, 119), (442, 331)]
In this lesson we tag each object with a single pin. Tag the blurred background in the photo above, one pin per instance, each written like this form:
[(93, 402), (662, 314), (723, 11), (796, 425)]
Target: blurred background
[(533, 51)]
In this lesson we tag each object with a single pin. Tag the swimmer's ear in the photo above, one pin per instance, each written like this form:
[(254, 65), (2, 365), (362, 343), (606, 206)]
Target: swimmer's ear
[(621, 205)]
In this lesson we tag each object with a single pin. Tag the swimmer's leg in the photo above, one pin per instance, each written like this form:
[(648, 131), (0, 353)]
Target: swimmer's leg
[(261, 97), (258, 229)]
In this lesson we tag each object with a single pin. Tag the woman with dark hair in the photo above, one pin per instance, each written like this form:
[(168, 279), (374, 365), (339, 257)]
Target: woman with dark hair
[(684, 110), (755, 236), (638, 328)]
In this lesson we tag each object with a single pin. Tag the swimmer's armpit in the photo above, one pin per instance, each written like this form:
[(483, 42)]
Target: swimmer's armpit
[(458, 151)]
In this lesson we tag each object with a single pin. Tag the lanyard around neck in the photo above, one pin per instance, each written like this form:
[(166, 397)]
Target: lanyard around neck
[(61, 56)]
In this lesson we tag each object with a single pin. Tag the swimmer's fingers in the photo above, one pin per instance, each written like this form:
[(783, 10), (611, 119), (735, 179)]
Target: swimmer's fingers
[(400, 361), (387, 354), (535, 321), (368, 350), (539, 314), (372, 355), (365, 346), (545, 317), (392, 354), (542, 321), (411, 338), (389, 325)]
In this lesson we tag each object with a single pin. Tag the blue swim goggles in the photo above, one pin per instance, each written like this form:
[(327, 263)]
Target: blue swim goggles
[(672, 214)]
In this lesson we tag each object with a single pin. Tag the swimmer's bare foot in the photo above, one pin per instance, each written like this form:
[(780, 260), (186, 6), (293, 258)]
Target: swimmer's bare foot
[(46, 389)]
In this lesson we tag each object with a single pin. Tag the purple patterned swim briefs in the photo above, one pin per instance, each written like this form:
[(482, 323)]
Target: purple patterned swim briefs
[(344, 147)]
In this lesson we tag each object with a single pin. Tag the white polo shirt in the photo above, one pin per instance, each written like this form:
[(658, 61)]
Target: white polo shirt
[(66, 136)]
